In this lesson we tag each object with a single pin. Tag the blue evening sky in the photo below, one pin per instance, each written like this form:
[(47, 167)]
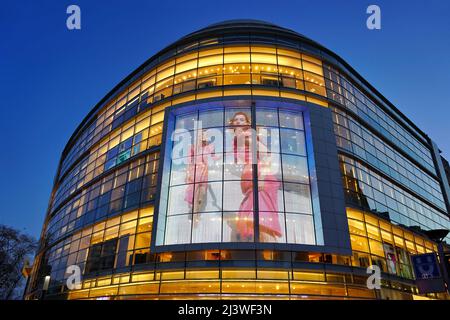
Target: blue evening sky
[(51, 77)]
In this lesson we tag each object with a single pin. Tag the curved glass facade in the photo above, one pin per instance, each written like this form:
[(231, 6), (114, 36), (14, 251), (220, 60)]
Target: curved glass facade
[(244, 160)]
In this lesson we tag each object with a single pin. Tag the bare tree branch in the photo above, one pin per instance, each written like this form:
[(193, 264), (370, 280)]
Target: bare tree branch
[(15, 247)]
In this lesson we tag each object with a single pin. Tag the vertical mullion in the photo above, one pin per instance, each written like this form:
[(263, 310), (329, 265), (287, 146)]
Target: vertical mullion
[(195, 171), (255, 175), (169, 187), (282, 177), (309, 176), (222, 182)]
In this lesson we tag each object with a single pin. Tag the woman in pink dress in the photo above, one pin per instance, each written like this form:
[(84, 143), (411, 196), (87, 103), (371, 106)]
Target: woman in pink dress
[(197, 172), (268, 184)]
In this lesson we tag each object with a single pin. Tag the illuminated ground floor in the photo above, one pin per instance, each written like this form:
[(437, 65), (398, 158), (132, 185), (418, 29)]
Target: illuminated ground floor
[(136, 273)]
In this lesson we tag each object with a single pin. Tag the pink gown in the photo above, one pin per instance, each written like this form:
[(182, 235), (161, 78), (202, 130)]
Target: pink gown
[(198, 166), (268, 200)]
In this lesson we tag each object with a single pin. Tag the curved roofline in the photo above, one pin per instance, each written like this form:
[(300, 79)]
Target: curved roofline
[(229, 27), (241, 21)]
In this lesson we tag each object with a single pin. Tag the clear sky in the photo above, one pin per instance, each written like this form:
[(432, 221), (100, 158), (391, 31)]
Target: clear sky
[(51, 77)]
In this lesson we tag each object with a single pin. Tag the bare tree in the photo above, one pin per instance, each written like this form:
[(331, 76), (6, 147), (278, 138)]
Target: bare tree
[(15, 247)]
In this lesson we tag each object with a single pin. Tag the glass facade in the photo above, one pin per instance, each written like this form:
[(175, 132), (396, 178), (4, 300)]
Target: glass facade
[(214, 185), (203, 174)]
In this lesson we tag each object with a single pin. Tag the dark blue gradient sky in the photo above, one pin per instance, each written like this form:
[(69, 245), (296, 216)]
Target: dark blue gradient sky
[(51, 77)]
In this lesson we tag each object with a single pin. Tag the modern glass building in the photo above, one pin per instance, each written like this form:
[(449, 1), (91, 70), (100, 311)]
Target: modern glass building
[(242, 161)]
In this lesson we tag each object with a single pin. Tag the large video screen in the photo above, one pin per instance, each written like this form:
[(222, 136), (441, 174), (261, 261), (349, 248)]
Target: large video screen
[(236, 174)]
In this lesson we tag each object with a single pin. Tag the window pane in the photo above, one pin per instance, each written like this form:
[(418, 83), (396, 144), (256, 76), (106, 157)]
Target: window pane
[(290, 62), (207, 227), (238, 227), (308, 66), (391, 258), (238, 195), (233, 169), (300, 229), (267, 117), (215, 169), (297, 198), (212, 142), (293, 141), (236, 79), (143, 240), (269, 167), (186, 121), (268, 139), (180, 199), (264, 58), (238, 145), (178, 229), (236, 58), (179, 170), (237, 117), (376, 247), (181, 144), (207, 197), (270, 196), (292, 120), (211, 60), (295, 169), (359, 243), (272, 227), (181, 67), (211, 118)]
